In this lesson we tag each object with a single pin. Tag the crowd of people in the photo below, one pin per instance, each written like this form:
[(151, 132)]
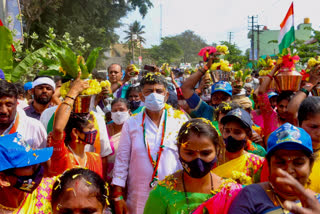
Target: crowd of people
[(158, 142)]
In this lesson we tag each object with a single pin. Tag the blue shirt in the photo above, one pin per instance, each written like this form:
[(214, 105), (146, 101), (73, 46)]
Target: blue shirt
[(200, 108)]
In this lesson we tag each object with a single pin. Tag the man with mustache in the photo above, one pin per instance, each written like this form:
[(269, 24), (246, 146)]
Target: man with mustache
[(42, 90), (13, 119)]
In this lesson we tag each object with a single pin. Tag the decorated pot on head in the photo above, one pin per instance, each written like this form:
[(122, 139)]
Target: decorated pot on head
[(287, 78), (82, 102), (266, 66)]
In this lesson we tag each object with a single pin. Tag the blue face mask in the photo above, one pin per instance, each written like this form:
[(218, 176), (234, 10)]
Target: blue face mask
[(197, 168), (29, 183), (154, 102)]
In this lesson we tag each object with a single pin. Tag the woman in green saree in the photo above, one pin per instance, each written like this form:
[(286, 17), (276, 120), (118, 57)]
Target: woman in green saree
[(182, 192)]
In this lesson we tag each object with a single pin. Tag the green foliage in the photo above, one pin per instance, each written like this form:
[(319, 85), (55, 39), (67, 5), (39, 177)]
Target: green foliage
[(190, 44), (28, 62), (167, 52), (6, 62), (235, 54), (94, 21)]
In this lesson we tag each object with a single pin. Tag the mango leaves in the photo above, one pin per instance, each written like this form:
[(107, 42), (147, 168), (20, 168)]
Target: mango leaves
[(6, 60)]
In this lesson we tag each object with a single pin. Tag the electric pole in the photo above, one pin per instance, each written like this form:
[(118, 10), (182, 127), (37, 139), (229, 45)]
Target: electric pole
[(160, 21), (230, 35), (258, 40), (252, 21)]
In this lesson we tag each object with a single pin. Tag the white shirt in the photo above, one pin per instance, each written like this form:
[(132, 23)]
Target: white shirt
[(132, 165), (104, 138), (30, 129)]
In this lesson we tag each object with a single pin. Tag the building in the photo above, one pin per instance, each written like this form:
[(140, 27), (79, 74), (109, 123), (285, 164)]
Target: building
[(267, 38), (116, 54)]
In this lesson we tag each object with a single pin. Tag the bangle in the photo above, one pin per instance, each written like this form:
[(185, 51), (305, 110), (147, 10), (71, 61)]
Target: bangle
[(202, 71), (271, 77), (71, 97), (198, 91), (120, 198), (304, 91), (64, 102)]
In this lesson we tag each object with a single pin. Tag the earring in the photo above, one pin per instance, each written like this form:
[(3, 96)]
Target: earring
[(77, 140)]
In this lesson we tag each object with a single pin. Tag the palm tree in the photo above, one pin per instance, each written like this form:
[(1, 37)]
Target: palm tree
[(134, 34)]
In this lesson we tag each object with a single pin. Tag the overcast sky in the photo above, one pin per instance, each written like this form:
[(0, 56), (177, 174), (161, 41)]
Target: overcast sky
[(213, 19)]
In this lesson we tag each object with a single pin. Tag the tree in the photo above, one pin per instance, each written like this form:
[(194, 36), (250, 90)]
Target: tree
[(167, 52), (135, 29), (95, 21), (190, 44), (235, 54)]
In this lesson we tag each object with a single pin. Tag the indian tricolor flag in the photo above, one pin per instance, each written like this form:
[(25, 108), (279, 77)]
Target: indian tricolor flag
[(286, 36)]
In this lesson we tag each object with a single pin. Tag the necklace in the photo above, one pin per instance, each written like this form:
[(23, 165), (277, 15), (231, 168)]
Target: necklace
[(77, 160), (154, 163), (7, 208), (186, 194), (276, 200)]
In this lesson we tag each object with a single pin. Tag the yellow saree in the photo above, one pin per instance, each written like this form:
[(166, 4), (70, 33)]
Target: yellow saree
[(242, 169)]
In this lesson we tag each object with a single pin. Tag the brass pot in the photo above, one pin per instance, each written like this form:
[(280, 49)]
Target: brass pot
[(82, 104), (316, 90), (288, 80)]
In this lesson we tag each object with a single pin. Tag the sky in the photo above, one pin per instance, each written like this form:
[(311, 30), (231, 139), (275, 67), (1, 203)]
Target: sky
[(214, 19)]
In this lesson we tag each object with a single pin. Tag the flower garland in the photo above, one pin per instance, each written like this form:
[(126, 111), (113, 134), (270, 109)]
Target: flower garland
[(135, 71), (223, 49), (94, 88), (154, 163), (313, 62), (222, 65), (241, 178)]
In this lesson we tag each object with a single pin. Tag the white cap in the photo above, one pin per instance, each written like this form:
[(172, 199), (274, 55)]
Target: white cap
[(44, 80)]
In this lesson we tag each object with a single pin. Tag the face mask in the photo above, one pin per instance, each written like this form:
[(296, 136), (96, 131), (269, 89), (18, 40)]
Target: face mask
[(134, 105), (233, 145), (89, 137), (120, 117), (29, 183), (197, 168), (154, 102)]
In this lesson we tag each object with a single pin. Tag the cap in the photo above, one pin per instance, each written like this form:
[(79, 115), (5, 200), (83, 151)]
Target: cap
[(44, 80), (289, 137), (272, 94), (2, 75), (240, 115), (244, 102), (16, 153), (222, 86), (27, 86)]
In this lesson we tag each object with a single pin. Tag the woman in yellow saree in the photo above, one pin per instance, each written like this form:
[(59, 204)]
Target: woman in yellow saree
[(236, 162)]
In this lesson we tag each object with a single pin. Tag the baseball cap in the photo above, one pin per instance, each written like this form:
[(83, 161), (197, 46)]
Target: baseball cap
[(239, 115), (27, 86), (222, 86), (289, 137), (16, 153), (2, 75), (272, 94)]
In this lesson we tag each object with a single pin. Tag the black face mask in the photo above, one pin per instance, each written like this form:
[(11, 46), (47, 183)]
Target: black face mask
[(134, 104), (197, 168), (29, 183), (233, 145)]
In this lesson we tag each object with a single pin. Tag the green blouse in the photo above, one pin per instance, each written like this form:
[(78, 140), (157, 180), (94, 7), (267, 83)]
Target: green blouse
[(164, 200)]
